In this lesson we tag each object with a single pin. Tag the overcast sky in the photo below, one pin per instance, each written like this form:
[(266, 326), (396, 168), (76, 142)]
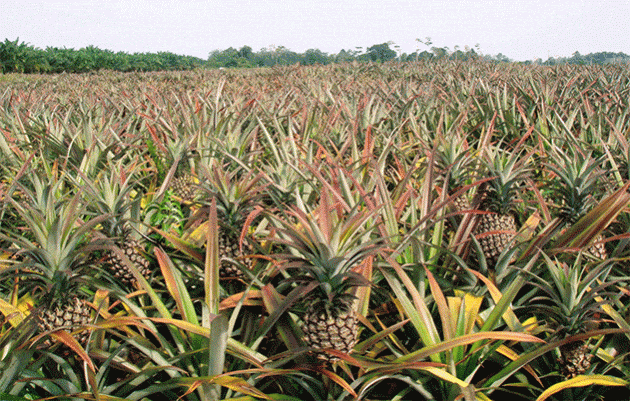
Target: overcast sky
[(519, 29)]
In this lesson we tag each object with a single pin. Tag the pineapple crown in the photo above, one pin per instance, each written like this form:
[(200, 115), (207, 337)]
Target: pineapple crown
[(454, 160), (112, 196), (569, 294), (576, 181), (323, 248), (508, 170), (58, 240), (176, 152), (236, 193)]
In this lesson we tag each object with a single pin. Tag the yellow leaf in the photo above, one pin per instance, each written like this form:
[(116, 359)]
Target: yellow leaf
[(582, 381), (444, 375), (529, 227), (510, 354), (239, 385), (198, 236), (472, 304), (15, 314), (508, 316)]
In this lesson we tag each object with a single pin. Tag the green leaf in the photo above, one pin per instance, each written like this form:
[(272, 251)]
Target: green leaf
[(467, 339)]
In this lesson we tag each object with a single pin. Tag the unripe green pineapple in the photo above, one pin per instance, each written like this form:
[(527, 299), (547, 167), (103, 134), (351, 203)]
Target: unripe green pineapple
[(454, 167), (495, 232), (568, 304), (231, 256), (236, 196), (113, 196), (185, 187), (56, 255)]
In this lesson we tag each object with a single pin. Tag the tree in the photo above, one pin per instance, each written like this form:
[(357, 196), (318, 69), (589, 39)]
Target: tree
[(381, 52), (315, 56)]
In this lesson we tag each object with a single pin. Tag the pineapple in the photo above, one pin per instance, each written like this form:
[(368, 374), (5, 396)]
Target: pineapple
[(568, 304), (322, 262), (180, 178), (575, 359), (185, 187), (454, 165), (54, 255), (71, 315), (497, 227), (131, 248), (111, 197), (576, 184), (236, 197)]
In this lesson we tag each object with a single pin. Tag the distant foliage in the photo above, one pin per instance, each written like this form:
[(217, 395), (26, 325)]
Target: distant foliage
[(24, 58)]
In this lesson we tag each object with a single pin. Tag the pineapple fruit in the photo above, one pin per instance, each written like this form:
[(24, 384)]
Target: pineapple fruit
[(497, 226), (236, 196), (185, 187), (131, 248), (568, 309), (454, 165), (69, 316), (55, 256), (111, 196), (232, 255), (330, 328), (322, 261), (576, 182), (575, 359)]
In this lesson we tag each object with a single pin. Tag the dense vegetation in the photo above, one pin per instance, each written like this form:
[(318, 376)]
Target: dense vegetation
[(24, 58), (440, 229)]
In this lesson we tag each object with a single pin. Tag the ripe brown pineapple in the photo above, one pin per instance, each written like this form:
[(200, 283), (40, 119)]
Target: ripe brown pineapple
[(131, 248), (69, 316), (496, 229), (575, 359)]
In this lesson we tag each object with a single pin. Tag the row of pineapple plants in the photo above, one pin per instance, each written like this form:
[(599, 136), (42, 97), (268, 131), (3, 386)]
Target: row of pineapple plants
[(330, 232)]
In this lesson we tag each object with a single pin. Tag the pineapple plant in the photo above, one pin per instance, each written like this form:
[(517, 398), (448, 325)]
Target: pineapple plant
[(576, 184), (454, 164), (54, 257), (180, 178), (236, 197), (322, 249), (567, 303), (497, 226), (111, 196)]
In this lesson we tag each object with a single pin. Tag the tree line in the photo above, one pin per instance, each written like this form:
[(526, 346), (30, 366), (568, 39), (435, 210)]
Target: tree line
[(24, 58)]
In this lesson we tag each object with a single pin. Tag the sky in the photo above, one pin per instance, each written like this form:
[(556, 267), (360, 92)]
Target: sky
[(519, 29)]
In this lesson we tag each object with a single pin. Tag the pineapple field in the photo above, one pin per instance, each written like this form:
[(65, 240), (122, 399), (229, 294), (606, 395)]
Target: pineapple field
[(439, 230)]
